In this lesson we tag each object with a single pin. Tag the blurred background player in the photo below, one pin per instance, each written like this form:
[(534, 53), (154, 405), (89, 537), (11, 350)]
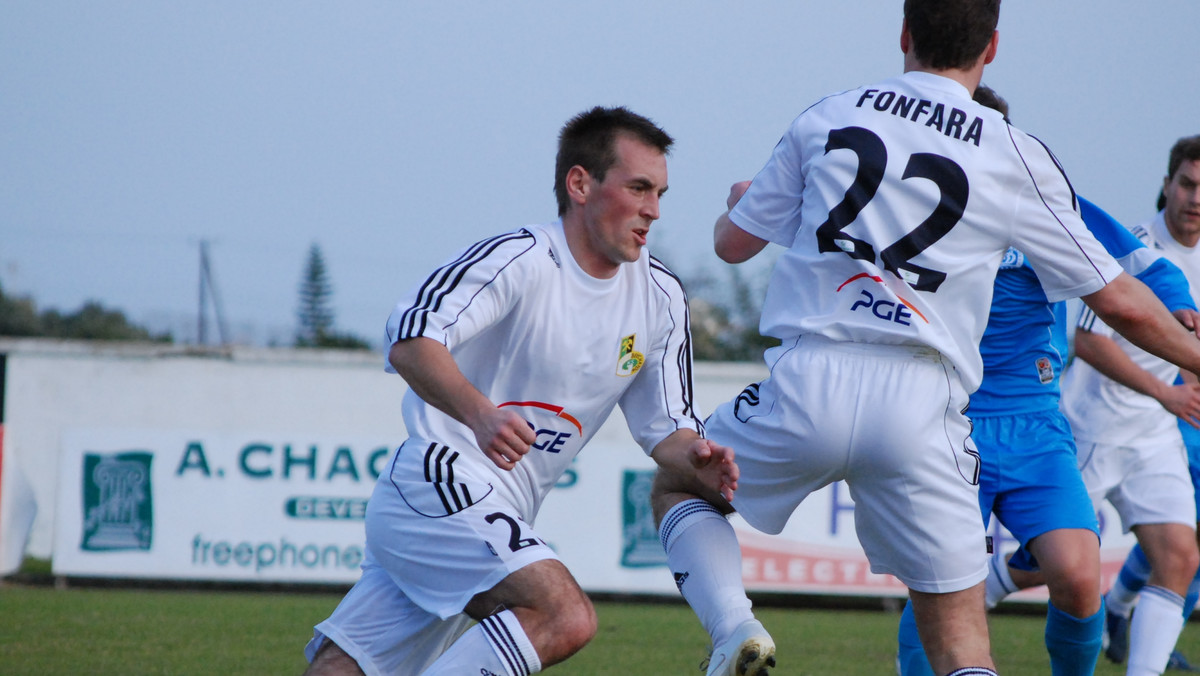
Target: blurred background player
[(515, 353), (1030, 477), (1122, 406), (896, 202), (1177, 227)]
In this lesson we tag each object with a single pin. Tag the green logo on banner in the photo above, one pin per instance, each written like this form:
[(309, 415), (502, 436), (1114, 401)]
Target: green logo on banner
[(640, 546), (117, 509)]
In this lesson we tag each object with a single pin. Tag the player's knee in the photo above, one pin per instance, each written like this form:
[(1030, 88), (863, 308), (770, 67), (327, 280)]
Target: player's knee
[(573, 626), (1077, 594)]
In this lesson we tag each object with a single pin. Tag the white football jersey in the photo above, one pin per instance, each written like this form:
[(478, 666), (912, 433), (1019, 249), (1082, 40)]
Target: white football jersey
[(531, 330), (896, 203), (1100, 409)]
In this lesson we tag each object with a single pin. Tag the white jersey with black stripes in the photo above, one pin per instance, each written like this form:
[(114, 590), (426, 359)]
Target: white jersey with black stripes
[(897, 202), (531, 330)]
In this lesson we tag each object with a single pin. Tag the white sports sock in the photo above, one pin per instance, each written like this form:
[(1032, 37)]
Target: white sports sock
[(1120, 599), (1154, 630), (706, 560), (497, 645), (999, 581)]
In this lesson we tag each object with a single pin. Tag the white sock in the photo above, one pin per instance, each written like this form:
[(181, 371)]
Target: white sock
[(1154, 630), (497, 645), (1120, 599), (706, 560), (999, 581)]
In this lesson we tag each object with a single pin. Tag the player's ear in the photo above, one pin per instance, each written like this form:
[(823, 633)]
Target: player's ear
[(579, 184), (991, 48), (905, 38)]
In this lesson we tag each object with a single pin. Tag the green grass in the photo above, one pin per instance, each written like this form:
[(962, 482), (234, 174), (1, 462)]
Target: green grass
[(131, 631)]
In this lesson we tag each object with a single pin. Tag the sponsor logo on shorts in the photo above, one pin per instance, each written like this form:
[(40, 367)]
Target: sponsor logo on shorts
[(118, 510), (629, 360)]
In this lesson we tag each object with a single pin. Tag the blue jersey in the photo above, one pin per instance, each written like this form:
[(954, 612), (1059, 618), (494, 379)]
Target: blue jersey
[(1025, 343)]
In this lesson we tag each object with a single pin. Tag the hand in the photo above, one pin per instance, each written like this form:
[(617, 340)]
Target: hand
[(735, 193), (1190, 319), (714, 466), (1183, 401), (503, 436)]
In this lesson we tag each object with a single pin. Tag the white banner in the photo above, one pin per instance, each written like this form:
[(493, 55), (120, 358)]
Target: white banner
[(195, 505), (277, 507)]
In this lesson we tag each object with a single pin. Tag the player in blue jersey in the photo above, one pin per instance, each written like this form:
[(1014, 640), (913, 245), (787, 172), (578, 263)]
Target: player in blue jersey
[(1030, 478)]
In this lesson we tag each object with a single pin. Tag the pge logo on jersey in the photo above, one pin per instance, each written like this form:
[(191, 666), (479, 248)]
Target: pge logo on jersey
[(899, 311), (553, 432)]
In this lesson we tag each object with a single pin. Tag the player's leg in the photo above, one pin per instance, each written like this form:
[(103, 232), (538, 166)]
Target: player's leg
[(910, 659), (474, 555), (1069, 559), (953, 629), (917, 507), (1172, 552), (1119, 602), (536, 617), (1155, 500), (702, 549), (705, 558), (1053, 515), (377, 629)]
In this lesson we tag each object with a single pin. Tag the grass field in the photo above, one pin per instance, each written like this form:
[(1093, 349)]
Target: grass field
[(138, 631)]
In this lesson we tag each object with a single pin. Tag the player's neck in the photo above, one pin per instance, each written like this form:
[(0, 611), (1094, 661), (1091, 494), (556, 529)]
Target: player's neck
[(968, 78)]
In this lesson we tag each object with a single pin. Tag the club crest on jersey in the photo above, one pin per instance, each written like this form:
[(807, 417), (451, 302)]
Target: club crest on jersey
[(1045, 370), (1012, 259), (629, 360)]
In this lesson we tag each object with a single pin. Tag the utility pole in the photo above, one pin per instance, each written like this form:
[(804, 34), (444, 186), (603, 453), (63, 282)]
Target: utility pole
[(208, 288)]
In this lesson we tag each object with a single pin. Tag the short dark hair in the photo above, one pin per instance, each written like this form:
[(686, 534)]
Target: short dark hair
[(1186, 149), (589, 141), (986, 96), (950, 33)]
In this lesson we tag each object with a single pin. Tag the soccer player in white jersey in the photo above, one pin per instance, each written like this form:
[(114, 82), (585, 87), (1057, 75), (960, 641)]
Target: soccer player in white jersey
[(1124, 407), (515, 353), (896, 203)]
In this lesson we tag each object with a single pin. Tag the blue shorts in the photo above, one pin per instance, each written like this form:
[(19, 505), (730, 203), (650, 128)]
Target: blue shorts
[(1191, 439), (1030, 478)]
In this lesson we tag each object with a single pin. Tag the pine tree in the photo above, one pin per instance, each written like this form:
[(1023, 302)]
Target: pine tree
[(315, 315)]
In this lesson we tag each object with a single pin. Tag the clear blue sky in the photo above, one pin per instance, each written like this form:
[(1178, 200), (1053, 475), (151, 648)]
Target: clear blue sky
[(393, 133)]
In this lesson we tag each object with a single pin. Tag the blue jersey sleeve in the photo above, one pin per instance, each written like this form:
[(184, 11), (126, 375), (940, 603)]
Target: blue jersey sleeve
[(1163, 277)]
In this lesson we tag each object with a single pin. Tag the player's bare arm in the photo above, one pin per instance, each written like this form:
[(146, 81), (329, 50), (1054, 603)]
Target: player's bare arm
[(732, 244), (429, 369), (1108, 358), (1132, 310), (706, 467)]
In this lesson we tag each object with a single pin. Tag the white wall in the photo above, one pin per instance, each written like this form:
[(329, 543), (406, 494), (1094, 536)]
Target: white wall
[(259, 462)]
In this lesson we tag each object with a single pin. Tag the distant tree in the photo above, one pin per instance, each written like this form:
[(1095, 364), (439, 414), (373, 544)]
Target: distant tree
[(315, 315), (19, 317), (724, 318)]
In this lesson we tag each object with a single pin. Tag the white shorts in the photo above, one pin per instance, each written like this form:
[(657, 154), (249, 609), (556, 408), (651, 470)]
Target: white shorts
[(432, 545), (1146, 483), (889, 421), (383, 630)]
